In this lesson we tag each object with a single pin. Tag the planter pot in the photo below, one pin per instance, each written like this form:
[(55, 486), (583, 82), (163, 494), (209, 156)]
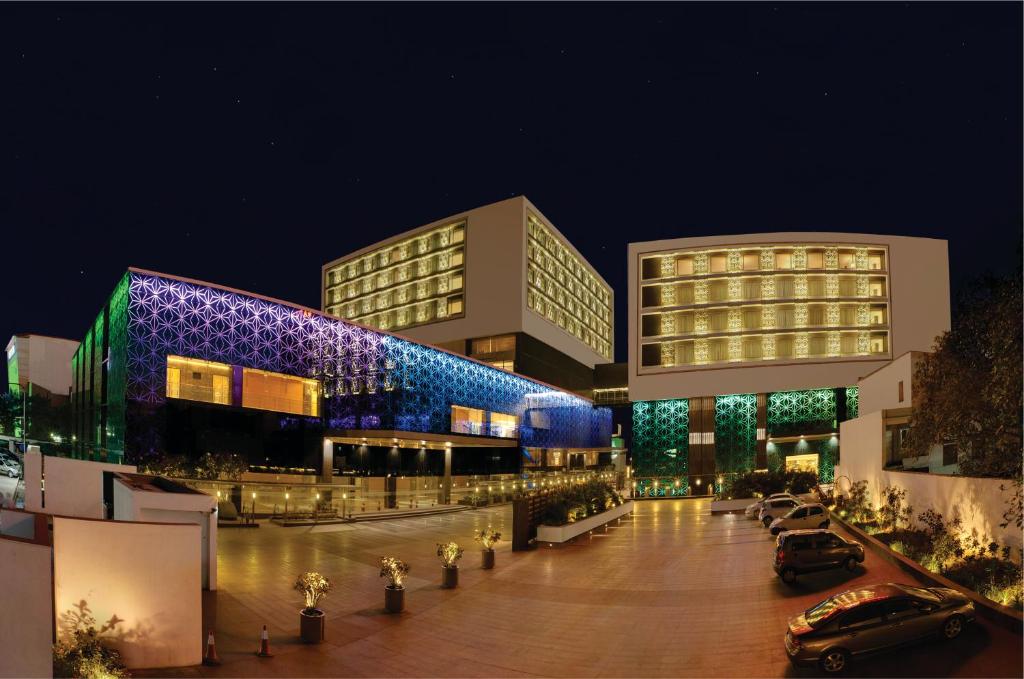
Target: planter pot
[(311, 626), (449, 577), (488, 559), (394, 599)]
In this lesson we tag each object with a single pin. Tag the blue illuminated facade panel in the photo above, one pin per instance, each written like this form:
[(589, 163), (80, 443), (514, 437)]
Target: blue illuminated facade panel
[(372, 380)]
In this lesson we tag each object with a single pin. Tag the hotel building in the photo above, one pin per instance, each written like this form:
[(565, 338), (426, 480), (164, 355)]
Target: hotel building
[(498, 283), (743, 350), (183, 367)]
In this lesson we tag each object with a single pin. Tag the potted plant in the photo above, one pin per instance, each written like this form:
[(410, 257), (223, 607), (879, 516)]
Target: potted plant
[(394, 592), (450, 552), (487, 539), (311, 619)]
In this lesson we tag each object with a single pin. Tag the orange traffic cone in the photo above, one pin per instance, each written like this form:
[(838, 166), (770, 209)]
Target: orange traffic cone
[(264, 651), (211, 651)]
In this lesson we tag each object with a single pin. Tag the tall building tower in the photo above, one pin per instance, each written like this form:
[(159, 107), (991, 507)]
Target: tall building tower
[(743, 349), (498, 283)]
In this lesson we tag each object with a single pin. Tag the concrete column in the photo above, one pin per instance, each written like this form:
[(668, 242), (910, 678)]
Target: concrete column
[(446, 484), (327, 462)]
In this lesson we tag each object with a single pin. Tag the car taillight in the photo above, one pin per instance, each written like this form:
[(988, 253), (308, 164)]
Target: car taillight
[(778, 556)]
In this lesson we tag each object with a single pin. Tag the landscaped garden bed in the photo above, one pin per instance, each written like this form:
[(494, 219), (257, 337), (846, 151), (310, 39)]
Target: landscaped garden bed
[(579, 508), (938, 545)]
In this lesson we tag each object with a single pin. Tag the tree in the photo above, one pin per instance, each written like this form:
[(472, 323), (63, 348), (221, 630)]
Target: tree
[(968, 391)]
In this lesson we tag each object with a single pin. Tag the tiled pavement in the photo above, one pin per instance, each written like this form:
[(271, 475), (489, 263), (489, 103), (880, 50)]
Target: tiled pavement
[(672, 591)]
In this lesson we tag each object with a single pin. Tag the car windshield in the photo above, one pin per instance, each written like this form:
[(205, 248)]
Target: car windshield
[(922, 593), (820, 614)]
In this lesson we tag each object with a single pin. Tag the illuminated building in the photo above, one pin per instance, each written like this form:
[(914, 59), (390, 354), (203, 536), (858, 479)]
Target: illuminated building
[(741, 348), (40, 364), (184, 367), (499, 283)]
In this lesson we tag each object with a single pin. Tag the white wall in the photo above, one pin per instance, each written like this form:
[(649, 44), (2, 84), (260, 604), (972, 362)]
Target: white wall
[(147, 575), (26, 624), (45, 361), (979, 502), (881, 391), (73, 487), (158, 507), (918, 303)]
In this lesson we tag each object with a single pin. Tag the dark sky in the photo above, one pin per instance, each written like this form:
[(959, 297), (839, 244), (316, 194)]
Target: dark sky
[(248, 144)]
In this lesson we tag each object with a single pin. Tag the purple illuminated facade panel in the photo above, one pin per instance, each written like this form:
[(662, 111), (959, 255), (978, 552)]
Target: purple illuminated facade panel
[(372, 380)]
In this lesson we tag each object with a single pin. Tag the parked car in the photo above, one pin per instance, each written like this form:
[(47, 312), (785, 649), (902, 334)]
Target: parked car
[(775, 508), (9, 469), (815, 549), (754, 509), (810, 515), (860, 622)]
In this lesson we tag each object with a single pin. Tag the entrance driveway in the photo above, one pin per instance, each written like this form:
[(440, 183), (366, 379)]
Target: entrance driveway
[(673, 591)]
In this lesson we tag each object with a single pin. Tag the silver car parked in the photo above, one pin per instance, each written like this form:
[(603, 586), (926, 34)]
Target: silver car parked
[(863, 621)]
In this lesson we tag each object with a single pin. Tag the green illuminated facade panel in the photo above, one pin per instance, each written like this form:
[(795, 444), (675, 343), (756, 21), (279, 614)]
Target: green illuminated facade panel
[(852, 403), (788, 411), (661, 440), (735, 432)]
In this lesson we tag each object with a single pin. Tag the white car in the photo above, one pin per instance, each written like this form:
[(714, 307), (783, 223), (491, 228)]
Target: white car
[(811, 515), (8, 468), (773, 509), (754, 509)]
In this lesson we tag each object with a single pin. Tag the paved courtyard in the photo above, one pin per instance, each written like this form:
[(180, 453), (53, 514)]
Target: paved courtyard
[(672, 591)]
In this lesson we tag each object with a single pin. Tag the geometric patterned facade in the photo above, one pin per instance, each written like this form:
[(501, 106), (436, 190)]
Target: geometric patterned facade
[(371, 379), (661, 434)]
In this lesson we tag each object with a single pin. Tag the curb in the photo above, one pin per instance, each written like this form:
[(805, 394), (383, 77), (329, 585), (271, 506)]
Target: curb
[(1004, 616)]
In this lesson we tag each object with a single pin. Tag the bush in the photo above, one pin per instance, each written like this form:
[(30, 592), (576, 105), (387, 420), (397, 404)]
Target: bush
[(761, 484), (578, 501), (85, 656)]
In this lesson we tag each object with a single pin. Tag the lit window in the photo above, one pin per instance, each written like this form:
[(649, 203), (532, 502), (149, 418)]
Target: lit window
[(751, 262), (454, 306), (784, 260), (281, 393), (815, 260), (195, 380), (718, 263), (684, 266)]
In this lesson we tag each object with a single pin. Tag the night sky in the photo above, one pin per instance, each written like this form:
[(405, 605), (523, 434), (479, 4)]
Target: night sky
[(248, 144)]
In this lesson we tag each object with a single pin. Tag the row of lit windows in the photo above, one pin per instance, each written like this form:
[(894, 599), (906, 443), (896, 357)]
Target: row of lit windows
[(755, 288), (739, 348), (769, 316), (542, 245), (419, 291), (413, 248), (415, 313), (432, 267), (771, 258), (562, 289), (209, 382)]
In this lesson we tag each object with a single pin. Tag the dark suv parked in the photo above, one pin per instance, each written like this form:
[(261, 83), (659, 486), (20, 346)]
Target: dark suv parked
[(805, 551)]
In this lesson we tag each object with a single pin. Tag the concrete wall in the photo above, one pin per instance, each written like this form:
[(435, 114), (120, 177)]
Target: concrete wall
[(73, 487), (45, 361), (194, 508), (880, 390), (979, 502), (26, 621), (918, 305), (143, 577)]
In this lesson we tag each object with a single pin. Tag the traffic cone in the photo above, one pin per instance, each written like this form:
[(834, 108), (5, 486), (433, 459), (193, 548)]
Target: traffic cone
[(264, 651), (211, 651)]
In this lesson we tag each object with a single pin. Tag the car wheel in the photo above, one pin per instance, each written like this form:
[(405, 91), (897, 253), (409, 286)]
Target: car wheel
[(953, 626), (833, 661), (824, 525), (851, 564), (789, 575), (767, 521)]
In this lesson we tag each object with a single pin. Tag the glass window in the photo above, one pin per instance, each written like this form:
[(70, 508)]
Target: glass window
[(862, 616), (751, 262), (504, 426), (874, 261), (195, 380), (847, 260), (784, 260), (798, 513), (281, 393), (717, 263), (455, 306), (816, 260), (684, 266), (467, 420)]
